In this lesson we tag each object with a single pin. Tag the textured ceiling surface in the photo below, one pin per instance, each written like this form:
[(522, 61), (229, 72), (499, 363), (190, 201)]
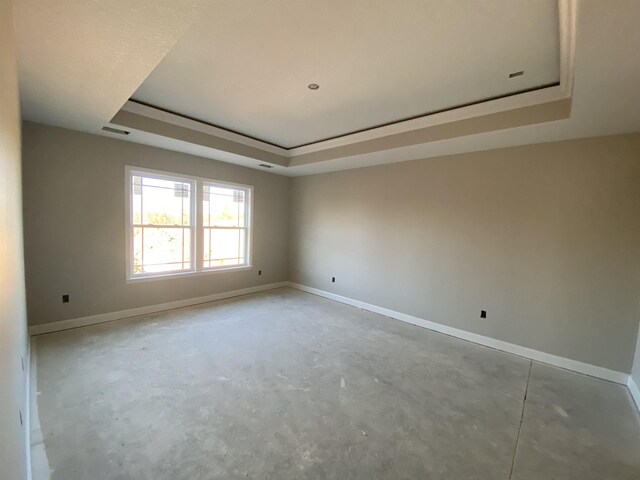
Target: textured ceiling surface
[(80, 60), (247, 67)]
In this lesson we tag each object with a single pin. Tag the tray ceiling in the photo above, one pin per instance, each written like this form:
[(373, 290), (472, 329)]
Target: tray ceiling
[(246, 67), (81, 60)]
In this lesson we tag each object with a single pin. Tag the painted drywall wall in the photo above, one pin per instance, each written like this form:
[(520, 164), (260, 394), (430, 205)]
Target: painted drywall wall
[(13, 333), (543, 237), (74, 204)]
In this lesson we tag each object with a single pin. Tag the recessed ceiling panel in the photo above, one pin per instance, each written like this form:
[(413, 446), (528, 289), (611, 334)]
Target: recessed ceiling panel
[(247, 66)]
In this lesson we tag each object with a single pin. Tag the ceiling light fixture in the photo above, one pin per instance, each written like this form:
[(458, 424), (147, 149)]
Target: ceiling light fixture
[(516, 74), (115, 130), (314, 86)]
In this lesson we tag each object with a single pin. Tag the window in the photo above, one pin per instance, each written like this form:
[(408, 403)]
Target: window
[(181, 225), (224, 214), (161, 224)]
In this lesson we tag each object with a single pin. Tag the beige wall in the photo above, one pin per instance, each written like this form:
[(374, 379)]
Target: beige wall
[(546, 238), (74, 205), (13, 338)]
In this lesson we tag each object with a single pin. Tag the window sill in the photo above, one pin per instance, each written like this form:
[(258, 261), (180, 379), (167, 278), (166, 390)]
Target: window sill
[(199, 273)]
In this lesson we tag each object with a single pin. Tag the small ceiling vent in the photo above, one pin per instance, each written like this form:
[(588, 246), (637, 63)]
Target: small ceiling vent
[(115, 130), (516, 74), (264, 165)]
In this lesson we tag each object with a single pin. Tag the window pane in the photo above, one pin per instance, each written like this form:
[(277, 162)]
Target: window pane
[(157, 249), (223, 216), (243, 245), (165, 202), (136, 200), (186, 252), (230, 261), (224, 246), (225, 262), (206, 216), (207, 247), (241, 209), (223, 207), (225, 243), (137, 250)]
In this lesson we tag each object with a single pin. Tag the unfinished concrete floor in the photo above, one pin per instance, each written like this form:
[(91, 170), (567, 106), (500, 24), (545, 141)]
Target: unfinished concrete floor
[(288, 385)]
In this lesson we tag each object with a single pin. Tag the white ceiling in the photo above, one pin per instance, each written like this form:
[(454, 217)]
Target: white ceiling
[(606, 94), (246, 66), (80, 60)]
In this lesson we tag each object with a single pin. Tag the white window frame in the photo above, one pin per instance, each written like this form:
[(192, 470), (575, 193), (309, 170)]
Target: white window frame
[(196, 222)]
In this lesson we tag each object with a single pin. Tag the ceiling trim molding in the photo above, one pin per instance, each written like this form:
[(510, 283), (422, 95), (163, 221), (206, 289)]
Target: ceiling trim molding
[(479, 109), (165, 116), (473, 125), (136, 122), (544, 104), (567, 27)]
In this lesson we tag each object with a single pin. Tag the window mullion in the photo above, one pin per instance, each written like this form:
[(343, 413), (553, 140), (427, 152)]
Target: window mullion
[(197, 240)]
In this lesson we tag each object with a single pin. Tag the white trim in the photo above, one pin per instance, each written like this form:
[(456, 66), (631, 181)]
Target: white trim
[(134, 312), (27, 409), (543, 357), (197, 256), (567, 14), (489, 107), (180, 121), (634, 391), (199, 273)]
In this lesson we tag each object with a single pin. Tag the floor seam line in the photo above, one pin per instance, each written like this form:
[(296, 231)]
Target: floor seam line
[(524, 402)]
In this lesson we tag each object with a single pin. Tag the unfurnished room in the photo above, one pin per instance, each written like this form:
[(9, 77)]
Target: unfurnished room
[(328, 239)]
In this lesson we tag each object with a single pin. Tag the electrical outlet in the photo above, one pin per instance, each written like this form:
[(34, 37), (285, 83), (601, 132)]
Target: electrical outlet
[(333, 279), (65, 298), (483, 314), (259, 272)]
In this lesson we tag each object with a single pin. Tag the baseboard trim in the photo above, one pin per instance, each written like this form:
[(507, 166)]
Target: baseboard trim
[(634, 390), (134, 312), (543, 357), (27, 409)]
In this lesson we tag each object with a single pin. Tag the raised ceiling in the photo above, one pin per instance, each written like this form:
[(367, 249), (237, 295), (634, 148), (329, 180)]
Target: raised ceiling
[(81, 60), (246, 67)]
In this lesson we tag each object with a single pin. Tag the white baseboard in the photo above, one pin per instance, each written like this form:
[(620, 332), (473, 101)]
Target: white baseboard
[(27, 409), (634, 390), (566, 363), (134, 312)]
